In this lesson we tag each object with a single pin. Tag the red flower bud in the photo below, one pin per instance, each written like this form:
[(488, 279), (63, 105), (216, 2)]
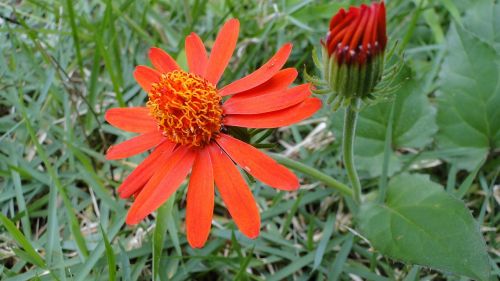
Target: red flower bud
[(353, 52), (358, 34)]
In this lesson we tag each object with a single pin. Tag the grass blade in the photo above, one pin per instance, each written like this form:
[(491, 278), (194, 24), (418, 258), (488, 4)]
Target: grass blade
[(159, 236), (340, 260), (33, 255), (327, 234), (110, 256)]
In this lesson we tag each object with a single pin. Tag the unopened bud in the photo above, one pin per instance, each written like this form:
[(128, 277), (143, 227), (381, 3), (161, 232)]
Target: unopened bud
[(353, 51)]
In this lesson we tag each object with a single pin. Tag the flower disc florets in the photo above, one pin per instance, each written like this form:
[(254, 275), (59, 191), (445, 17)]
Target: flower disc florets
[(186, 107)]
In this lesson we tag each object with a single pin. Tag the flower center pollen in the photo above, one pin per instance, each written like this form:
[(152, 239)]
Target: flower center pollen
[(186, 107)]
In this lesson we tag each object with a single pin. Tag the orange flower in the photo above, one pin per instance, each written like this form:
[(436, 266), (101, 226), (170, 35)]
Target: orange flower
[(185, 123)]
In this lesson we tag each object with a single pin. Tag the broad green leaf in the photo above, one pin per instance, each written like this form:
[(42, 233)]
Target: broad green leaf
[(422, 224), (465, 5), (469, 93), (413, 127), (483, 20)]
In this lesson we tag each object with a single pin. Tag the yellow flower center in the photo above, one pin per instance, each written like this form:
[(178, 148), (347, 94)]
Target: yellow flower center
[(187, 108)]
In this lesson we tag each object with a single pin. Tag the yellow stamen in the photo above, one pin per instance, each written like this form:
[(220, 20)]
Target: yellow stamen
[(187, 108)]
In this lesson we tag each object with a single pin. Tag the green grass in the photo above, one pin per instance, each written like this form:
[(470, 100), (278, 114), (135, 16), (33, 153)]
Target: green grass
[(63, 63)]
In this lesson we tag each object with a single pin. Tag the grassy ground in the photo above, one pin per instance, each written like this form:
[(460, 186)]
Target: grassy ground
[(63, 63)]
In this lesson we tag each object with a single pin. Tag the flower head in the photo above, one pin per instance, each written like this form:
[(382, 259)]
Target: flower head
[(353, 52), (185, 124)]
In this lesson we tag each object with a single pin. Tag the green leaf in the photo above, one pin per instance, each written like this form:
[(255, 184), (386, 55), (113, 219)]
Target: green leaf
[(89, 264), (244, 262), (125, 268), (413, 127), (422, 224), (327, 234), (159, 235), (292, 267), (483, 20), (110, 256), (171, 226), (452, 10), (340, 260), (433, 20), (31, 253), (469, 93)]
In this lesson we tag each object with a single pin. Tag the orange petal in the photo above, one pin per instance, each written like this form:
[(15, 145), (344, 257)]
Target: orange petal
[(162, 61), (200, 200), (140, 175), (196, 54), (134, 145), (284, 117), (261, 75), (146, 76), (235, 193), (223, 49), (280, 81), (131, 119), (162, 184), (259, 165), (272, 101)]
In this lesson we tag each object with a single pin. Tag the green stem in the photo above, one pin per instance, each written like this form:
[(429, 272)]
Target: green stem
[(350, 118), (313, 173)]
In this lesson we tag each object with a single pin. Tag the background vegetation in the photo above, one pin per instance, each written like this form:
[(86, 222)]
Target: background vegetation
[(63, 63)]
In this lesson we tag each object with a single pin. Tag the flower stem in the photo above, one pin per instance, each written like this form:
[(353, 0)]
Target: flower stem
[(313, 173), (350, 119)]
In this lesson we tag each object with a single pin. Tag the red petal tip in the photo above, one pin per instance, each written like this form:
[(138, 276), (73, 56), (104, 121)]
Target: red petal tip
[(108, 155), (358, 34)]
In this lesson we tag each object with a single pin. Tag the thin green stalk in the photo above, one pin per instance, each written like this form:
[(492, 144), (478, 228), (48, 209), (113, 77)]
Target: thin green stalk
[(350, 119), (412, 26), (74, 32), (313, 173)]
